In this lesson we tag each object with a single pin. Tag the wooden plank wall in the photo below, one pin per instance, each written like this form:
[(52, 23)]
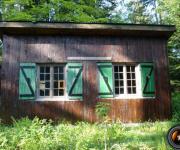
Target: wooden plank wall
[(56, 49)]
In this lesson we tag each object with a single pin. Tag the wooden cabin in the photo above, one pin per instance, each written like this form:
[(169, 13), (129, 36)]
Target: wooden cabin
[(62, 70)]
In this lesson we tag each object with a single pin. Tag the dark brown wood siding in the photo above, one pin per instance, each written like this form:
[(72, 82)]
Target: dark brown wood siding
[(56, 49)]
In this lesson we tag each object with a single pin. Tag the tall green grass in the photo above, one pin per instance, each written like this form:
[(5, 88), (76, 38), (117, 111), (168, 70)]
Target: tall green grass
[(36, 134), (39, 134)]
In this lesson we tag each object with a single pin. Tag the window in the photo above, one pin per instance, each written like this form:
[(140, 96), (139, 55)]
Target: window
[(119, 79), (51, 81), (125, 80), (44, 82), (131, 80), (58, 89)]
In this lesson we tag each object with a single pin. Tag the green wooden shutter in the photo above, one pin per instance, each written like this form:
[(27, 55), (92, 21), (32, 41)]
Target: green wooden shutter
[(74, 80), (27, 81), (147, 80), (105, 80)]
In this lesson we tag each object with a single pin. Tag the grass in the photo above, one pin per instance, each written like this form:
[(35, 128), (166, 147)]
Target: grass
[(41, 135), (36, 134)]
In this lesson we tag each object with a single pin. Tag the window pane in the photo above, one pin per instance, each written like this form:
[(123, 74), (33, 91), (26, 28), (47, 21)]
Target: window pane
[(120, 68), (133, 75), (42, 85), (116, 90), (41, 93), (128, 82), (122, 90), (47, 84), (134, 90), (116, 76), (61, 84), (61, 92), (133, 83), (55, 69), (132, 68), (128, 68), (41, 76), (116, 83), (129, 90), (128, 75), (61, 69), (46, 92), (47, 69), (55, 76), (121, 76), (56, 84), (61, 76), (55, 92), (115, 68), (41, 69), (47, 76), (121, 83)]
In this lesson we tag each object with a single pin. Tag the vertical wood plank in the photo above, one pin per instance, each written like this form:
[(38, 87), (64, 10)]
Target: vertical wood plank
[(122, 50)]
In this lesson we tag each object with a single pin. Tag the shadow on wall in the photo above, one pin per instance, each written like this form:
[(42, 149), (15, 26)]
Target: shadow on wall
[(41, 49)]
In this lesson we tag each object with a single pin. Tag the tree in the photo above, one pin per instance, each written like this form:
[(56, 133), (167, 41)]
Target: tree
[(137, 12), (58, 10), (16, 10), (169, 11), (152, 6), (133, 11)]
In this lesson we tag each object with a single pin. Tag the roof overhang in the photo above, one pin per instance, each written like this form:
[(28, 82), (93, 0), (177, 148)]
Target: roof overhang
[(55, 28)]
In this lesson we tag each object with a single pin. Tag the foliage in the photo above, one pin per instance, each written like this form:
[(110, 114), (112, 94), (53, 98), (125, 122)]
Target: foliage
[(102, 109), (57, 10), (137, 12), (174, 68), (42, 135), (170, 15), (176, 106), (169, 11)]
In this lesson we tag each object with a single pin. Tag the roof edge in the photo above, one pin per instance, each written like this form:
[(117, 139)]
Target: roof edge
[(108, 23), (86, 28)]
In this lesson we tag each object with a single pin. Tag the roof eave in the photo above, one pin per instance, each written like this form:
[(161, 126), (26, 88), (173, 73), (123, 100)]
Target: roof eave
[(86, 29)]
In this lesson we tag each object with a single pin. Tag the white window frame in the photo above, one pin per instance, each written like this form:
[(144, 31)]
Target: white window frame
[(51, 97), (138, 83)]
